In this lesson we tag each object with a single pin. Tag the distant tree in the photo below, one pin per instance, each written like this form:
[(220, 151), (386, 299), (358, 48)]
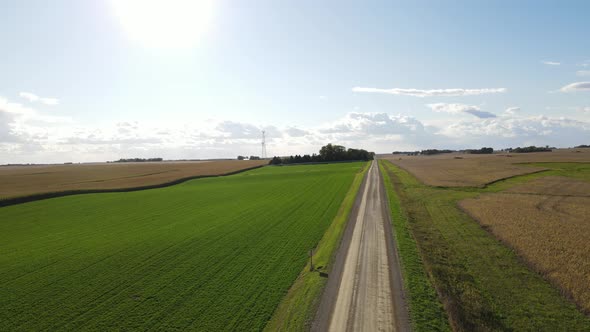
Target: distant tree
[(254, 158), (138, 160), (275, 161), (241, 157), (328, 153), (429, 152), (480, 151), (532, 148)]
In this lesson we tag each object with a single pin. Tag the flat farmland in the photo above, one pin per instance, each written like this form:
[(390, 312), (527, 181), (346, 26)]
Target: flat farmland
[(546, 222), (210, 254), (484, 282), (16, 181), (473, 170)]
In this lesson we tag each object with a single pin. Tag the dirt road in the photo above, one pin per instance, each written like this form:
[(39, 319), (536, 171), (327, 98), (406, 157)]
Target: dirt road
[(366, 292)]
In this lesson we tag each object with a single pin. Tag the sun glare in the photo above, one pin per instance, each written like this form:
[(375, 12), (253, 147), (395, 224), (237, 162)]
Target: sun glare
[(164, 23)]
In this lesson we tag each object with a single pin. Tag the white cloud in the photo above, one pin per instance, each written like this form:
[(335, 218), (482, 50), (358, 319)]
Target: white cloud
[(508, 131), (461, 108), (7, 132), (584, 109), (432, 92), (583, 73), (373, 124), (24, 126), (28, 141), (231, 129), (551, 63), (14, 108), (512, 110), (577, 86), (296, 132), (29, 96), (33, 98)]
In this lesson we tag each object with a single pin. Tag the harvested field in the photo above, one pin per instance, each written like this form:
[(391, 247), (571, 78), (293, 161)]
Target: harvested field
[(549, 232), (16, 181), (482, 283), (553, 185), (473, 170)]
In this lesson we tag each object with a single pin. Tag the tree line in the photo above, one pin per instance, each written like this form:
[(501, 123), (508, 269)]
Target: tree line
[(531, 148), (327, 153), (484, 150), (249, 158), (137, 160)]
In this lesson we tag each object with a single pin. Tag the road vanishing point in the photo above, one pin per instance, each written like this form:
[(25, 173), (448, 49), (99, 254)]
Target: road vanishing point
[(365, 289)]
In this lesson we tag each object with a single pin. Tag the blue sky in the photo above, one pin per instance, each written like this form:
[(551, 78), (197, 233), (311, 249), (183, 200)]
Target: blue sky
[(78, 84)]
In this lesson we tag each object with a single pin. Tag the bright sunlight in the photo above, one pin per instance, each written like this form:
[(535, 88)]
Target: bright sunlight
[(164, 23)]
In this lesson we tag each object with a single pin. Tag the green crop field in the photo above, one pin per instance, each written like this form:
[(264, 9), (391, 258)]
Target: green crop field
[(210, 254)]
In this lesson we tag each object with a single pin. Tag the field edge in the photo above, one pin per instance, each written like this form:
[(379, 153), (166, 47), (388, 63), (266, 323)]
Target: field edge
[(37, 197), (297, 309), (426, 311)]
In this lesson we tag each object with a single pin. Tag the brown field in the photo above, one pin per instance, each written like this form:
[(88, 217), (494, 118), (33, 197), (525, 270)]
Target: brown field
[(546, 222), (471, 170), (553, 185), (16, 181)]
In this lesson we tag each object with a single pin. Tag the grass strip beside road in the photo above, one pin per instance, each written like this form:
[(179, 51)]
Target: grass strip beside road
[(426, 311), (483, 284), (296, 311)]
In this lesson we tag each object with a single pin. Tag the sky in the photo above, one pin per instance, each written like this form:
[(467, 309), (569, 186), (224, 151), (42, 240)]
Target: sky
[(86, 81)]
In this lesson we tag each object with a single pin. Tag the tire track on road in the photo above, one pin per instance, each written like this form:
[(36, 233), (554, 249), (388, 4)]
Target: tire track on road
[(369, 292)]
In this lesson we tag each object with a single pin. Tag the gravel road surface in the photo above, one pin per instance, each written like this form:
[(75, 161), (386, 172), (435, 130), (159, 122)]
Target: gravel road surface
[(367, 289)]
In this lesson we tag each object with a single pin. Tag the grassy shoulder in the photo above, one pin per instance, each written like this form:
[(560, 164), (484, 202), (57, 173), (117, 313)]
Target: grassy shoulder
[(426, 311), (483, 284), (296, 310)]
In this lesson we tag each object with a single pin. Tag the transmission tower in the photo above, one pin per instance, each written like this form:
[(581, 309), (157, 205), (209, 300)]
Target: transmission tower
[(263, 154)]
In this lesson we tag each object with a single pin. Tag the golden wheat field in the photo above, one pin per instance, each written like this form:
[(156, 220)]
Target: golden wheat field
[(547, 222), (472, 170), (18, 181)]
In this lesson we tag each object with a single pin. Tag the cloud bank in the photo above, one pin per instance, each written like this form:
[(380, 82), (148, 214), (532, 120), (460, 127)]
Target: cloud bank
[(28, 135), (431, 93), (461, 108), (33, 98), (512, 110), (577, 86)]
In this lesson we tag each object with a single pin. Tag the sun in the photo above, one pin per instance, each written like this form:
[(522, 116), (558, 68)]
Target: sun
[(164, 23)]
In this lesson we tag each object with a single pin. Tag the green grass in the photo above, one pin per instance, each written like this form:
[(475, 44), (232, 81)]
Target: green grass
[(426, 310), (482, 283), (209, 254), (296, 310)]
